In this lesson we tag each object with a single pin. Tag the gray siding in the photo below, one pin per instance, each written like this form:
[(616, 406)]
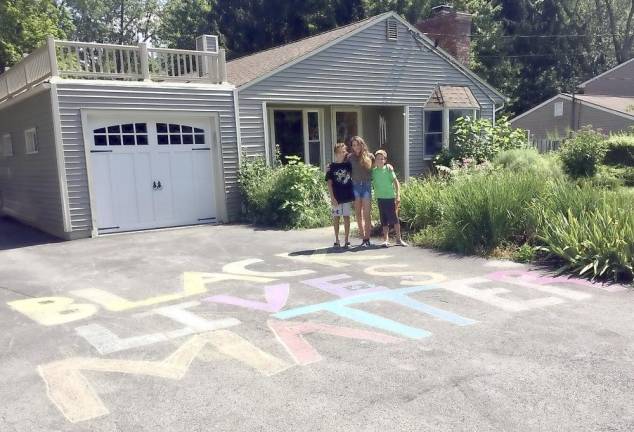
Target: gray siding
[(416, 146), (619, 82), (364, 69), (29, 183), (73, 96), (542, 123)]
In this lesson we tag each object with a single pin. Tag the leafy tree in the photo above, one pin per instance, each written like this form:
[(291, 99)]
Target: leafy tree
[(114, 21), (25, 24), (184, 20)]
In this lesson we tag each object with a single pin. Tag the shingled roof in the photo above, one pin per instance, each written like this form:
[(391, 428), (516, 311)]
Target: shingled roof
[(246, 69), (623, 105), (452, 97)]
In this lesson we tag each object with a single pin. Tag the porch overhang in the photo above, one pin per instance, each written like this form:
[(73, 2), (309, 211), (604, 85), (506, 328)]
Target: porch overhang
[(452, 97)]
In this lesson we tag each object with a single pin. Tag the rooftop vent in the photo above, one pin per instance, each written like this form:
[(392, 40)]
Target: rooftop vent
[(392, 30)]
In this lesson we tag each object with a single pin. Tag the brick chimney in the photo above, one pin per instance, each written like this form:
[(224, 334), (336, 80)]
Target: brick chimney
[(450, 30)]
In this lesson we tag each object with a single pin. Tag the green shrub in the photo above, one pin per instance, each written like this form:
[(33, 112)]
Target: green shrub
[(256, 180), (620, 150), (421, 202), (589, 231), (582, 153), (481, 140), (524, 254), (484, 211), (608, 177), (289, 196), (529, 160)]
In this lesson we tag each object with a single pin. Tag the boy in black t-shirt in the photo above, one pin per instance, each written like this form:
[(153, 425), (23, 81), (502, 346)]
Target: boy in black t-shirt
[(341, 194)]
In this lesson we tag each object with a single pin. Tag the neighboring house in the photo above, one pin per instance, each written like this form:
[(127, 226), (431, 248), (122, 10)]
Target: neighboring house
[(103, 138), (604, 102)]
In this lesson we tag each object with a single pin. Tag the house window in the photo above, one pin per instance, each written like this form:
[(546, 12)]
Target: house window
[(558, 109), (175, 134), (7, 146), (289, 134), (31, 143), (128, 134), (433, 133), (312, 134)]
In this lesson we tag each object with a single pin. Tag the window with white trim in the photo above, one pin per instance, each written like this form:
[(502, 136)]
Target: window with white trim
[(31, 143), (128, 134), (175, 134), (558, 109), (433, 132), (7, 145)]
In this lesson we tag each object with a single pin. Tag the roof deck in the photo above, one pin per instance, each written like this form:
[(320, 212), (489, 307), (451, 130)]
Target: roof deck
[(67, 59)]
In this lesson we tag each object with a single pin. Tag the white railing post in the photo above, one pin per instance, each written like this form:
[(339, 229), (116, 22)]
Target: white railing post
[(52, 56), (145, 64), (222, 65), (212, 68)]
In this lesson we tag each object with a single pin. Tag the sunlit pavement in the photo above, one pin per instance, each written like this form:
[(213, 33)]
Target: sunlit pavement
[(233, 329)]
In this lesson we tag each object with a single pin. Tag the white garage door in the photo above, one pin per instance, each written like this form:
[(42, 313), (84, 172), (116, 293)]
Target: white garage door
[(152, 172)]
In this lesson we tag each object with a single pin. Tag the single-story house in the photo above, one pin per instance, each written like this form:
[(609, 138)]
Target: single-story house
[(604, 102), (103, 138)]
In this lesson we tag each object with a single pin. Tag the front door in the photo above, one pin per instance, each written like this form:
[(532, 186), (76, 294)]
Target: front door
[(346, 124)]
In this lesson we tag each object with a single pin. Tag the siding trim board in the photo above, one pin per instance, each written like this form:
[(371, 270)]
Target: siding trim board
[(59, 148)]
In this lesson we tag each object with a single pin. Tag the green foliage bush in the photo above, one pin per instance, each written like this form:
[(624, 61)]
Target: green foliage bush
[(530, 161), (525, 214), (286, 196), (620, 150), (481, 140), (582, 153)]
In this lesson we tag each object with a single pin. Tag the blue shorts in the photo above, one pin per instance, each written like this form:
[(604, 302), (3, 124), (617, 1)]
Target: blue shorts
[(362, 190)]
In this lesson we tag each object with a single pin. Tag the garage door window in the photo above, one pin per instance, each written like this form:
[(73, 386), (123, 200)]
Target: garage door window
[(171, 134), (128, 134)]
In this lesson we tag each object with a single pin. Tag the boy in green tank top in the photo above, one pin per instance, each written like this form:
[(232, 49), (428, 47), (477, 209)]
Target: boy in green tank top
[(387, 190)]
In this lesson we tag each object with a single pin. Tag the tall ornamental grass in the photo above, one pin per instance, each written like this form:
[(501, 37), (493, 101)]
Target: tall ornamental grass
[(589, 231), (486, 211), (421, 202)]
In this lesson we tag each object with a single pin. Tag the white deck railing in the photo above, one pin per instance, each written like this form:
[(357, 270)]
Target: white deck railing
[(115, 62)]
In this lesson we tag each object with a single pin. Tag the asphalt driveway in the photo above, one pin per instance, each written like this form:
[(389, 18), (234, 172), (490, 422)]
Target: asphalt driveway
[(233, 329)]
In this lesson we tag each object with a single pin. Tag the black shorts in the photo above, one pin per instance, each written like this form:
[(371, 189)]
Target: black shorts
[(387, 211)]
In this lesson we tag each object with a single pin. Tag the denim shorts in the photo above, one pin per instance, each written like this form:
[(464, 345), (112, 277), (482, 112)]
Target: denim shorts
[(362, 190)]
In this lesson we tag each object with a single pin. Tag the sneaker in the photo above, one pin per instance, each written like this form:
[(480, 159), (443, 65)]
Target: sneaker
[(400, 242), (346, 245), (385, 244), (366, 243), (336, 244)]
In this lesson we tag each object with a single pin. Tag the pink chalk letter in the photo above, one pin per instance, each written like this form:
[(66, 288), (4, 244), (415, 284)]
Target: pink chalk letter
[(538, 279), (275, 295), (289, 333)]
